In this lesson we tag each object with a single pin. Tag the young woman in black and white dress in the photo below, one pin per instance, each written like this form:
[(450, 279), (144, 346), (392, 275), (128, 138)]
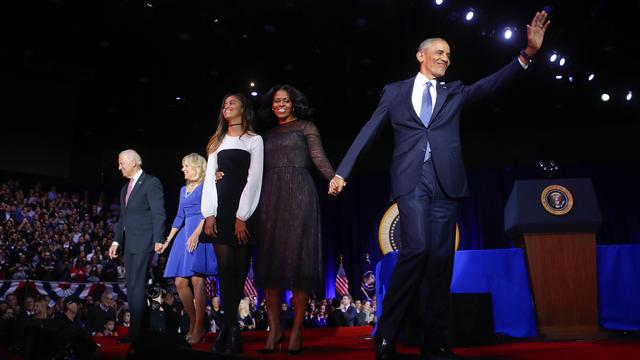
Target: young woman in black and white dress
[(237, 152)]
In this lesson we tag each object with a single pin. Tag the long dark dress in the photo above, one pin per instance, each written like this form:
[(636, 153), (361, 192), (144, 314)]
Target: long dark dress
[(290, 229)]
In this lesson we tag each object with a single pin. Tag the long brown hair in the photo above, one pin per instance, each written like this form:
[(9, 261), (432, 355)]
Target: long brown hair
[(221, 130)]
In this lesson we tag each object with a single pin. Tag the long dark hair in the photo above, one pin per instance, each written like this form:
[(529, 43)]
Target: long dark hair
[(221, 130), (301, 108)]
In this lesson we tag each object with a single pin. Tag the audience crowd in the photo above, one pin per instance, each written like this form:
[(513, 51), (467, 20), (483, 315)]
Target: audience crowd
[(49, 235)]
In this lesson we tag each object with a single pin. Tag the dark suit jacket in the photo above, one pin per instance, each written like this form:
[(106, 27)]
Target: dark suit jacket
[(350, 316), (143, 218), (410, 134)]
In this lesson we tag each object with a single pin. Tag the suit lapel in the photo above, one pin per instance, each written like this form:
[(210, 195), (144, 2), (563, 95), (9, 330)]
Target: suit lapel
[(441, 97), (136, 187), (407, 93), (123, 194)]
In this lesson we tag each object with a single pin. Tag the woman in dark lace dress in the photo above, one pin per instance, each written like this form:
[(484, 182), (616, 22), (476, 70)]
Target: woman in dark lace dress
[(290, 238)]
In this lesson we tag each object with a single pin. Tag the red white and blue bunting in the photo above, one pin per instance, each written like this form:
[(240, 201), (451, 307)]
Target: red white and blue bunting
[(56, 290)]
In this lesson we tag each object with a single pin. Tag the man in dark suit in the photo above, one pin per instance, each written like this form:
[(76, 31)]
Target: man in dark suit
[(349, 311), (141, 228), (427, 181)]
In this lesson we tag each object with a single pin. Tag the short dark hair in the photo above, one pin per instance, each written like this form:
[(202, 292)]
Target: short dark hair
[(70, 300)]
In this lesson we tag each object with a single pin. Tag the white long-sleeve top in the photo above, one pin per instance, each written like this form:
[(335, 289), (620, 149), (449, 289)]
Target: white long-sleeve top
[(250, 197)]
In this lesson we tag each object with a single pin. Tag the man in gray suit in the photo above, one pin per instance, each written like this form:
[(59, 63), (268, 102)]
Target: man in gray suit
[(140, 229)]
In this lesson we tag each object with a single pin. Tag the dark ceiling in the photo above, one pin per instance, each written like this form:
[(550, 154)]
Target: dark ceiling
[(105, 75)]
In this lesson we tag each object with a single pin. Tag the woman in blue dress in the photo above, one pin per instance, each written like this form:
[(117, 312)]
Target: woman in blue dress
[(188, 260)]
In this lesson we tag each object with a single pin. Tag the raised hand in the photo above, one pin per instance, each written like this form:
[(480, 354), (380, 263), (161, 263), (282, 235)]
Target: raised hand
[(535, 32)]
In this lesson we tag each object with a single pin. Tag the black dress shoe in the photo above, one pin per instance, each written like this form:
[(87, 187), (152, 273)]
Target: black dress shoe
[(442, 353), (385, 349), (235, 341), (124, 340)]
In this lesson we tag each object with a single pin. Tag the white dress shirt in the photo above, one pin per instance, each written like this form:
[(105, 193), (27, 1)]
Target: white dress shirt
[(418, 89)]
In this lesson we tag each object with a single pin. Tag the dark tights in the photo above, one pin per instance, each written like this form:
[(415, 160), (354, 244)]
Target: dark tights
[(232, 271)]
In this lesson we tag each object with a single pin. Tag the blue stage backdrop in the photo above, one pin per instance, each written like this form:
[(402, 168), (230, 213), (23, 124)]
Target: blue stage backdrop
[(350, 222)]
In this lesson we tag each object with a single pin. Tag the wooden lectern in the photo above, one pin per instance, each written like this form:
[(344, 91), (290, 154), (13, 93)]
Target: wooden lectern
[(555, 220)]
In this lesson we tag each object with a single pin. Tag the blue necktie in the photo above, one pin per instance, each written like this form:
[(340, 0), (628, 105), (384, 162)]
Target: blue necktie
[(425, 114)]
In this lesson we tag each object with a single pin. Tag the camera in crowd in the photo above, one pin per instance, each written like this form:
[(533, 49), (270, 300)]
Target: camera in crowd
[(155, 293), (157, 316)]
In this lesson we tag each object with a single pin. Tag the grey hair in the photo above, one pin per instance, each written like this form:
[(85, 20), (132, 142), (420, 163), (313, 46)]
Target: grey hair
[(105, 294), (426, 43), (131, 155)]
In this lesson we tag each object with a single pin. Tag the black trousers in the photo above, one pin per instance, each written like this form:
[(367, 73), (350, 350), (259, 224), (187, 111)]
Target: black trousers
[(425, 261), (136, 270)]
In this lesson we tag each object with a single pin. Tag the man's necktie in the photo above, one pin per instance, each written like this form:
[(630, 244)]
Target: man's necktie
[(425, 114), (129, 188)]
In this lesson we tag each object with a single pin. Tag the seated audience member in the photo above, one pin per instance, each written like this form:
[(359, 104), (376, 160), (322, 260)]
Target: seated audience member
[(320, 319), (364, 317), (108, 329), (123, 325), (245, 320), (348, 311), (23, 270), (335, 317), (28, 311), (79, 271), (98, 315), (71, 341), (42, 311)]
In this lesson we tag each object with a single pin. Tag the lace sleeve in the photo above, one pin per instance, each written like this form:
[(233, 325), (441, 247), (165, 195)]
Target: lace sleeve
[(316, 151)]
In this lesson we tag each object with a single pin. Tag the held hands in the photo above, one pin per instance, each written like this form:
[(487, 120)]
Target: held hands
[(219, 175), (210, 226), (535, 32), (336, 185), (165, 245), (159, 247), (241, 232)]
